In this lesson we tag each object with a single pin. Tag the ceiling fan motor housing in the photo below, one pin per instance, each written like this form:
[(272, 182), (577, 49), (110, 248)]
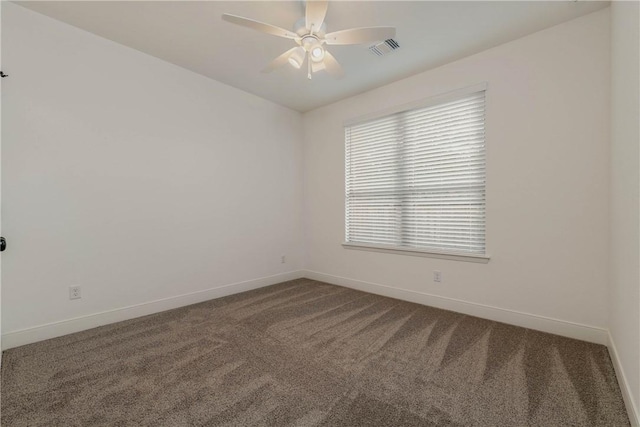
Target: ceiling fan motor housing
[(313, 45)]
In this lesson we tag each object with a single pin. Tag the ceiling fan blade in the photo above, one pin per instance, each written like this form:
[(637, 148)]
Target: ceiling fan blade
[(315, 11), (332, 66), (279, 61), (360, 35), (317, 66), (259, 26)]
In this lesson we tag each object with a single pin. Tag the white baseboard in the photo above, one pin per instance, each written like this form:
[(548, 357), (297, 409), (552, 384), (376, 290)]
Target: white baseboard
[(627, 396), (69, 326), (545, 324), (540, 323)]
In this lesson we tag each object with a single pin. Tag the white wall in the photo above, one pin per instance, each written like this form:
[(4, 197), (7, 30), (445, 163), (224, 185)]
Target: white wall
[(547, 184), (624, 303), (133, 178), (0, 185)]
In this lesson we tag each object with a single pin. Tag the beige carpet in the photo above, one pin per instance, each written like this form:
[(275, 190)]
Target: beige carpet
[(307, 353)]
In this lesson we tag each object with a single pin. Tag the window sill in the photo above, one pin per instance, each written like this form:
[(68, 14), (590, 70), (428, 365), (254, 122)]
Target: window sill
[(483, 259)]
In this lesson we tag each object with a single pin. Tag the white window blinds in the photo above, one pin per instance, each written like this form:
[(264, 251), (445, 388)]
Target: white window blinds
[(416, 179)]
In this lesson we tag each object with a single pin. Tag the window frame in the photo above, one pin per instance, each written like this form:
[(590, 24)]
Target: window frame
[(430, 253)]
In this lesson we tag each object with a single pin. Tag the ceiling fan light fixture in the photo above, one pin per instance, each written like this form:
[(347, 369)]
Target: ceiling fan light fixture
[(297, 57), (317, 53)]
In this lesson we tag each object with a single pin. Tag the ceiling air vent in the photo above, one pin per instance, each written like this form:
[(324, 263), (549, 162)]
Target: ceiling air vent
[(384, 48)]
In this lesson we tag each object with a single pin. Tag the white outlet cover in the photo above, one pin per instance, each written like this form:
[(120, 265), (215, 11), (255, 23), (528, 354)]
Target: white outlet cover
[(75, 292)]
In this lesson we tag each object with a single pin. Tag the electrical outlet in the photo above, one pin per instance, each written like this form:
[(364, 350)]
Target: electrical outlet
[(74, 292), (283, 259), (437, 276)]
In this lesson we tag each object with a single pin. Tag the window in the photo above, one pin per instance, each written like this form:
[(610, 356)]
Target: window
[(415, 179)]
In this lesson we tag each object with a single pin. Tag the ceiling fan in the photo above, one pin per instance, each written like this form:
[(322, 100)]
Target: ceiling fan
[(309, 33)]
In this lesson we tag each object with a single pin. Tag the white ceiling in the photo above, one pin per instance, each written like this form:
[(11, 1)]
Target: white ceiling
[(191, 34)]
